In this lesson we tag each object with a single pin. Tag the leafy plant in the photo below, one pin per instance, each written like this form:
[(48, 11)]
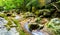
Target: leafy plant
[(54, 25)]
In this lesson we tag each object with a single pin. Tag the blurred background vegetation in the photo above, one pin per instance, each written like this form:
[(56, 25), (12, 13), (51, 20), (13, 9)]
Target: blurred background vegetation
[(34, 6)]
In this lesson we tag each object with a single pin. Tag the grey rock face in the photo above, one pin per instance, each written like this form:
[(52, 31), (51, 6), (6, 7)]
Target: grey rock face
[(3, 29), (3, 21)]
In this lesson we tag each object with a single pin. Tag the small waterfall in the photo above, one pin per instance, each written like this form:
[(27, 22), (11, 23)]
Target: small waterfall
[(37, 32)]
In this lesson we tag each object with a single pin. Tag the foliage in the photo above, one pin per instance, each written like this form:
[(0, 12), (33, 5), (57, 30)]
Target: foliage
[(54, 25)]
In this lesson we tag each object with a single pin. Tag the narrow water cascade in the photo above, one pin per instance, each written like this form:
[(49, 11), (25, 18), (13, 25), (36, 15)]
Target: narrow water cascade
[(33, 32)]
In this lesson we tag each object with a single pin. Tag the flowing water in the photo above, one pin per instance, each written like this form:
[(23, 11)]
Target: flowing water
[(37, 32)]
